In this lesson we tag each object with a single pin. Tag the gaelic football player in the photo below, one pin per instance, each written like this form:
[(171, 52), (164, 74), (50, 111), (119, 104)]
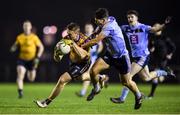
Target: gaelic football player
[(30, 50)]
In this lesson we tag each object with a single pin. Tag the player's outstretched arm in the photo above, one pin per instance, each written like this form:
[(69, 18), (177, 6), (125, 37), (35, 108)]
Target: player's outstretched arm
[(94, 41), (162, 26)]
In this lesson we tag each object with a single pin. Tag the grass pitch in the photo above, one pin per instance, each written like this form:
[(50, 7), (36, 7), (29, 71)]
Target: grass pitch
[(166, 100)]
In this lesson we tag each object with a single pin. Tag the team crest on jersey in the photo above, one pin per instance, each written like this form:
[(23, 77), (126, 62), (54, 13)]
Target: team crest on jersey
[(134, 39)]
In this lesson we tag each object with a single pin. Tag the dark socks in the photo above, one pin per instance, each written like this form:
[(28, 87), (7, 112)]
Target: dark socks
[(154, 85), (20, 92), (48, 101)]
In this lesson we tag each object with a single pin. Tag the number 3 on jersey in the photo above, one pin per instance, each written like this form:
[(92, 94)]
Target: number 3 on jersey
[(134, 39)]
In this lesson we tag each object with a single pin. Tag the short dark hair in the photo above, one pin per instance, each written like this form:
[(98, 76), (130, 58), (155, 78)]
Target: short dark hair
[(101, 13), (132, 12), (73, 26), (27, 21)]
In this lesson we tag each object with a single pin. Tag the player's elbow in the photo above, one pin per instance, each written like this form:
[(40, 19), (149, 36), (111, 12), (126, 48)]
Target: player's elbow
[(41, 48)]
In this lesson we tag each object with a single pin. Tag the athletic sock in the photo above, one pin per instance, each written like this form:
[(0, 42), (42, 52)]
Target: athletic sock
[(124, 93), (48, 101), (138, 95), (161, 73), (83, 92), (97, 87), (153, 88), (20, 92)]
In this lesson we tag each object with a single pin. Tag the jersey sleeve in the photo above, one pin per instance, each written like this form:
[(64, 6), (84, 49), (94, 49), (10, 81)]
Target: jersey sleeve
[(37, 41), (147, 28), (123, 28), (17, 40)]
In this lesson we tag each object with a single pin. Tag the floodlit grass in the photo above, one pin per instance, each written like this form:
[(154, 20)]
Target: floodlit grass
[(166, 100)]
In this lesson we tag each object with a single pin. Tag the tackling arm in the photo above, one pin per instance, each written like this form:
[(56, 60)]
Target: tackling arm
[(80, 51), (94, 41), (160, 27)]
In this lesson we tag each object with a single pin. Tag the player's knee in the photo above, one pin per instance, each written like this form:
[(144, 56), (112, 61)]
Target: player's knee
[(19, 78), (32, 79), (64, 79), (31, 76), (126, 82), (21, 70)]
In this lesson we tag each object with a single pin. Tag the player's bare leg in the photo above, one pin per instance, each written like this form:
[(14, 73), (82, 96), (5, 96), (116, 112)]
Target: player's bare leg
[(154, 85), (87, 80), (85, 86), (63, 80), (135, 68), (129, 84), (85, 77), (127, 81), (31, 75), (98, 66), (86, 83), (20, 77), (146, 75)]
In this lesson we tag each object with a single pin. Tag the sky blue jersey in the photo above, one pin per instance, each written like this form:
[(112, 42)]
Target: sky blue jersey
[(138, 38), (114, 39)]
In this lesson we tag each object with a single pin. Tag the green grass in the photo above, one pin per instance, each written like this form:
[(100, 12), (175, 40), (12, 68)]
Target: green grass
[(166, 101)]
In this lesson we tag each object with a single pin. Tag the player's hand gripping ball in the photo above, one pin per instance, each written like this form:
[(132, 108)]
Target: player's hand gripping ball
[(61, 49)]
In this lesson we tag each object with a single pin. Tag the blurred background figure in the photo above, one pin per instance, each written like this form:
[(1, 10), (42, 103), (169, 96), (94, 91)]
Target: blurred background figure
[(30, 51), (94, 51), (162, 49)]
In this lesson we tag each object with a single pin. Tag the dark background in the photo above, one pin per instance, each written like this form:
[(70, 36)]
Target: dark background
[(62, 12)]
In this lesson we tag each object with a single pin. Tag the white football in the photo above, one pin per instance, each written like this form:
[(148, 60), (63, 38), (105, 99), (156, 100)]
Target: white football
[(63, 47)]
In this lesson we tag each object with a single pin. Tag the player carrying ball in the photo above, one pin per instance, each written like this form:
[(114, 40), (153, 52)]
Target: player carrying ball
[(80, 62)]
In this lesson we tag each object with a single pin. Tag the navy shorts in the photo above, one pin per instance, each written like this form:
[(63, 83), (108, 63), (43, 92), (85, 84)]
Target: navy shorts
[(77, 69), (142, 61), (29, 65), (122, 64)]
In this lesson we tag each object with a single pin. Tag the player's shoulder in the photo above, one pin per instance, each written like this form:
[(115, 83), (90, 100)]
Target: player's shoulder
[(143, 25), (34, 35), (20, 35), (125, 26), (111, 22)]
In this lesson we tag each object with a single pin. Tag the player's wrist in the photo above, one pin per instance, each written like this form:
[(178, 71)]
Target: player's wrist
[(37, 57)]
